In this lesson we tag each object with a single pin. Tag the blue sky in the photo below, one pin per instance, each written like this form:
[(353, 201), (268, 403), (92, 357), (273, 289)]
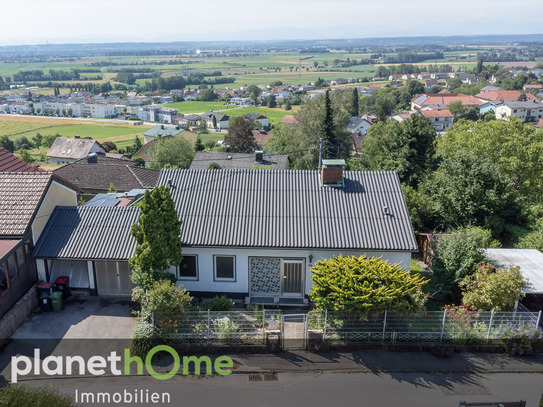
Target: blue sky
[(61, 21)]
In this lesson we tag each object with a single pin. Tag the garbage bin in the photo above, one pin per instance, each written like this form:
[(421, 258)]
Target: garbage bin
[(62, 285), (45, 303), (56, 301), (45, 288), (44, 291)]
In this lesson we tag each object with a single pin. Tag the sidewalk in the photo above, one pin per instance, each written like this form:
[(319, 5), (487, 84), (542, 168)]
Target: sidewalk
[(380, 361)]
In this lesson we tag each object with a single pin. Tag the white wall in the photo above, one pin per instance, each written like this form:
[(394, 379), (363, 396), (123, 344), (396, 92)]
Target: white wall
[(241, 285)]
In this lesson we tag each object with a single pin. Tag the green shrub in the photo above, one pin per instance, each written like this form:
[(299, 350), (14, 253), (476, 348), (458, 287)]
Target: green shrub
[(365, 285), (23, 396), (222, 303), (164, 300), (146, 337), (225, 329)]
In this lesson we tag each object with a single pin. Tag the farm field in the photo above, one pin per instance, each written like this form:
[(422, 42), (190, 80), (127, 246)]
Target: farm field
[(120, 134)]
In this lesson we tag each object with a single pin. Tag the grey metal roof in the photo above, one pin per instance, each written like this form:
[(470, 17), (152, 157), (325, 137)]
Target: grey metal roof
[(530, 262), (288, 209), (88, 233)]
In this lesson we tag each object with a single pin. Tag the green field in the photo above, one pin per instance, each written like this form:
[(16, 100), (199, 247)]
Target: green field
[(198, 107), (121, 134), (274, 115)]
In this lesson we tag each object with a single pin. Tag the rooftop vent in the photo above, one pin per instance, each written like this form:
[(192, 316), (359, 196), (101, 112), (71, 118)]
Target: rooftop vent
[(170, 182), (92, 158), (332, 173)]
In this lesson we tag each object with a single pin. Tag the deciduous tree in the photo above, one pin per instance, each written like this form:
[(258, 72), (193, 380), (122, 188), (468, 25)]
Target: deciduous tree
[(240, 137)]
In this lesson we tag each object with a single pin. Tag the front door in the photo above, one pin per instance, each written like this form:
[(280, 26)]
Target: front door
[(292, 277)]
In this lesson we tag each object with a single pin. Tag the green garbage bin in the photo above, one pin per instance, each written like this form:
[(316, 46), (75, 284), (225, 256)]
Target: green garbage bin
[(56, 301)]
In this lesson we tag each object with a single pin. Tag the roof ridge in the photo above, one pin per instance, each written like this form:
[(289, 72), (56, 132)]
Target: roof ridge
[(135, 176)]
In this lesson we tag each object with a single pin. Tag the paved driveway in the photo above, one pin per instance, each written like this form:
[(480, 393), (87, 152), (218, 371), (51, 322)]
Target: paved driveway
[(81, 318), (87, 326)]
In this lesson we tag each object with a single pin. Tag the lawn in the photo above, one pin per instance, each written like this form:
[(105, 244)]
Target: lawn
[(274, 115), (197, 107)]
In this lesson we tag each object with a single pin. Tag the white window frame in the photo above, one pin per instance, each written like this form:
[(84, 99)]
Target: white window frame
[(185, 278), (222, 279)]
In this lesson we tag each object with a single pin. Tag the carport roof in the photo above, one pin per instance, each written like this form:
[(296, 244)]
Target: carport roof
[(88, 233), (530, 262)]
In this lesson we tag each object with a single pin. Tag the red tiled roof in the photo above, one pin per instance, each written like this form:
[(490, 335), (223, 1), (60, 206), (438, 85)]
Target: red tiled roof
[(10, 163), (289, 119), (20, 194), (494, 95), (436, 113), (6, 246), (446, 98), (539, 124), (261, 137)]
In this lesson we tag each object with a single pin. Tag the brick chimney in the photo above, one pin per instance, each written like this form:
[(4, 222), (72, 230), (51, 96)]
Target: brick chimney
[(332, 173)]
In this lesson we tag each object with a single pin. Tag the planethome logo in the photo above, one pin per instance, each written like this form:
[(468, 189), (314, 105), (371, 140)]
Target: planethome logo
[(112, 364)]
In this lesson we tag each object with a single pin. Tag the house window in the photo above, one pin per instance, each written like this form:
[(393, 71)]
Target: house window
[(188, 270), (225, 268), (515, 110)]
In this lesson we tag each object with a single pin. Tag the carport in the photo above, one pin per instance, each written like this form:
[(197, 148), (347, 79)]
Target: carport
[(91, 245)]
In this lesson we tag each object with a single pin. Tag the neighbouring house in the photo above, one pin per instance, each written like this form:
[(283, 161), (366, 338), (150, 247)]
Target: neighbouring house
[(261, 137), (145, 152), (528, 88), (27, 200), (528, 111), (248, 234), (289, 119), (501, 95), (400, 117), (530, 262), (441, 100), (263, 120), (203, 159), (96, 173), (10, 163), (220, 119), (358, 125), (67, 150), (487, 107), (161, 130), (239, 101), (441, 120)]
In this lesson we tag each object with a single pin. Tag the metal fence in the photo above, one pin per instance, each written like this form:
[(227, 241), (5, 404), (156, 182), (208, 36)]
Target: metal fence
[(219, 327), (459, 326), (250, 328)]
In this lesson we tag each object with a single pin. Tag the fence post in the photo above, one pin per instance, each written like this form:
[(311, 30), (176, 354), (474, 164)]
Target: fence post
[(538, 319), (490, 325), (264, 325), (326, 321), (384, 325), (208, 324), (443, 326)]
